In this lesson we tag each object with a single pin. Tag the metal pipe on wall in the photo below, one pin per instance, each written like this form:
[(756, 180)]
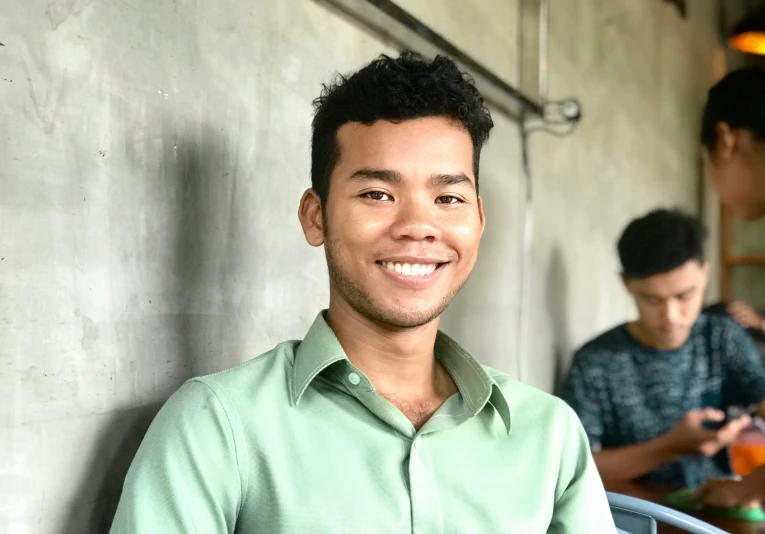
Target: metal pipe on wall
[(527, 222), (544, 28), (391, 22)]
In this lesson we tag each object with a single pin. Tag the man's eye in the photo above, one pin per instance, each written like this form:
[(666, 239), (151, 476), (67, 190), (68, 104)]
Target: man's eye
[(448, 199), (377, 195)]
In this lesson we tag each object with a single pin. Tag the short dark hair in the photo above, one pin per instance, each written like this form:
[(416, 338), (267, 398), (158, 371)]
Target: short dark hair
[(738, 100), (396, 90), (659, 242)]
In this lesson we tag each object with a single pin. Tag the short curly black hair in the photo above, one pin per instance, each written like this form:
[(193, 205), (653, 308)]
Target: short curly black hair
[(394, 89), (659, 242), (738, 100)]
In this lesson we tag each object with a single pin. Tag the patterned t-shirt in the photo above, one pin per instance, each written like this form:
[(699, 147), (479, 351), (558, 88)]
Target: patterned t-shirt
[(626, 393)]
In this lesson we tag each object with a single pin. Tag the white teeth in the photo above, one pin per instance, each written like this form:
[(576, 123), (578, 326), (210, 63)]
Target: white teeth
[(410, 269)]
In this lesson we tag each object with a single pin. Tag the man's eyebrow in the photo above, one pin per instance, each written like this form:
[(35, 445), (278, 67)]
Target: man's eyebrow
[(678, 294), (395, 177), (382, 175), (686, 291), (451, 179)]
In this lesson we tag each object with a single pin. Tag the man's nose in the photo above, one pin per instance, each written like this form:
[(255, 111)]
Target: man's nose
[(416, 219)]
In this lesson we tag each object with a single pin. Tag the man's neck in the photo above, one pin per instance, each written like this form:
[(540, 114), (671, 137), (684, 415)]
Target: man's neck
[(643, 335), (398, 362), (755, 161), (760, 176), (637, 331)]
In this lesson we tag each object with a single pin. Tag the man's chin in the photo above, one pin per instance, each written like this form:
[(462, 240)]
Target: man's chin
[(405, 317), (747, 209), (405, 321), (751, 213)]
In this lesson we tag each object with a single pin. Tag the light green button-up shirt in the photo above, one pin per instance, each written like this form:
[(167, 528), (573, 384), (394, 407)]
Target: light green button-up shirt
[(297, 441)]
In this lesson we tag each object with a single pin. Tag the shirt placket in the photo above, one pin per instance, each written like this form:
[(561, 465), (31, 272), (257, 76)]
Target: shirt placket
[(425, 505), (427, 516)]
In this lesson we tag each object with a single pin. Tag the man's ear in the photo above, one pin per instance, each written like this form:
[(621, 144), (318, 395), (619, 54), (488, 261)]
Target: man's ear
[(726, 141), (706, 268), (481, 214), (310, 215)]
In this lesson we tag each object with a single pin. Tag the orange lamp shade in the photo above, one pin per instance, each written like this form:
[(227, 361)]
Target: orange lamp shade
[(749, 34), (749, 42)]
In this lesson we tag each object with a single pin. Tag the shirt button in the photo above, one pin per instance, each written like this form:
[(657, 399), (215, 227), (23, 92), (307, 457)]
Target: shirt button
[(417, 443), (354, 379)]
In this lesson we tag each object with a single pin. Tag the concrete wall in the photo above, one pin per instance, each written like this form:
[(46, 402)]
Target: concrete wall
[(642, 74), (153, 155)]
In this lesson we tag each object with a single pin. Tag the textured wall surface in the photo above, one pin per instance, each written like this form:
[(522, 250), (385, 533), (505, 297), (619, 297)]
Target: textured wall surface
[(153, 155), (642, 74)]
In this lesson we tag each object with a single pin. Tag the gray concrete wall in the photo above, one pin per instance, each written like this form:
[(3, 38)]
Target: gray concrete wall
[(642, 74), (153, 155)]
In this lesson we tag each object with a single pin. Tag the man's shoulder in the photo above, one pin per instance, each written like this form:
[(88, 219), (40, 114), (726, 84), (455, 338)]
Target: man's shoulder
[(260, 374), (711, 323), (722, 334), (520, 396), (601, 349)]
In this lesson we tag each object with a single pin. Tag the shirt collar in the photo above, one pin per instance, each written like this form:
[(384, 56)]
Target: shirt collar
[(320, 348), (474, 383)]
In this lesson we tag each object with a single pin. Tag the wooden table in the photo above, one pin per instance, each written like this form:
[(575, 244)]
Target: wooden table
[(733, 526)]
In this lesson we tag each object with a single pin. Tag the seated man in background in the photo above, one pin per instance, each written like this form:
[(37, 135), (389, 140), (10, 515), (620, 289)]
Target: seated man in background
[(375, 422), (651, 393)]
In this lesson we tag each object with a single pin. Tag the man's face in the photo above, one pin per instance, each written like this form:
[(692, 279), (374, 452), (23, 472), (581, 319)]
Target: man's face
[(402, 222), (733, 169), (669, 303)]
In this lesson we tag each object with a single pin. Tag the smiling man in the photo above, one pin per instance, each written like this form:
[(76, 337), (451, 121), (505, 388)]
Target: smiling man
[(648, 391), (375, 422)]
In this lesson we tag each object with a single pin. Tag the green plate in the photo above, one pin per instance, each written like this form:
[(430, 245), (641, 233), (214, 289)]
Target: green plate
[(688, 501)]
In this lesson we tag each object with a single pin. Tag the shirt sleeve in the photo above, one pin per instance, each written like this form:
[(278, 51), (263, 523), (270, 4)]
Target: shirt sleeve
[(580, 500), (186, 476), (580, 395), (745, 371)]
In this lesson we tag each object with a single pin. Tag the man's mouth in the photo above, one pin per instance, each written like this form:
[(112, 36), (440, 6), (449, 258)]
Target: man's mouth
[(410, 269)]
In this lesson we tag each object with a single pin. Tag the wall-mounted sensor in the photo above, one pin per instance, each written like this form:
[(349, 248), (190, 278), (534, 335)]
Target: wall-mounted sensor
[(567, 111), (559, 117), (570, 110)]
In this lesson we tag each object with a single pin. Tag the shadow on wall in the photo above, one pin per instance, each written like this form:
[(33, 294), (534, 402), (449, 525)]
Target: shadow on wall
[(205, 181), (193, 191), (557, 306), (212, 237), (97, 496)]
